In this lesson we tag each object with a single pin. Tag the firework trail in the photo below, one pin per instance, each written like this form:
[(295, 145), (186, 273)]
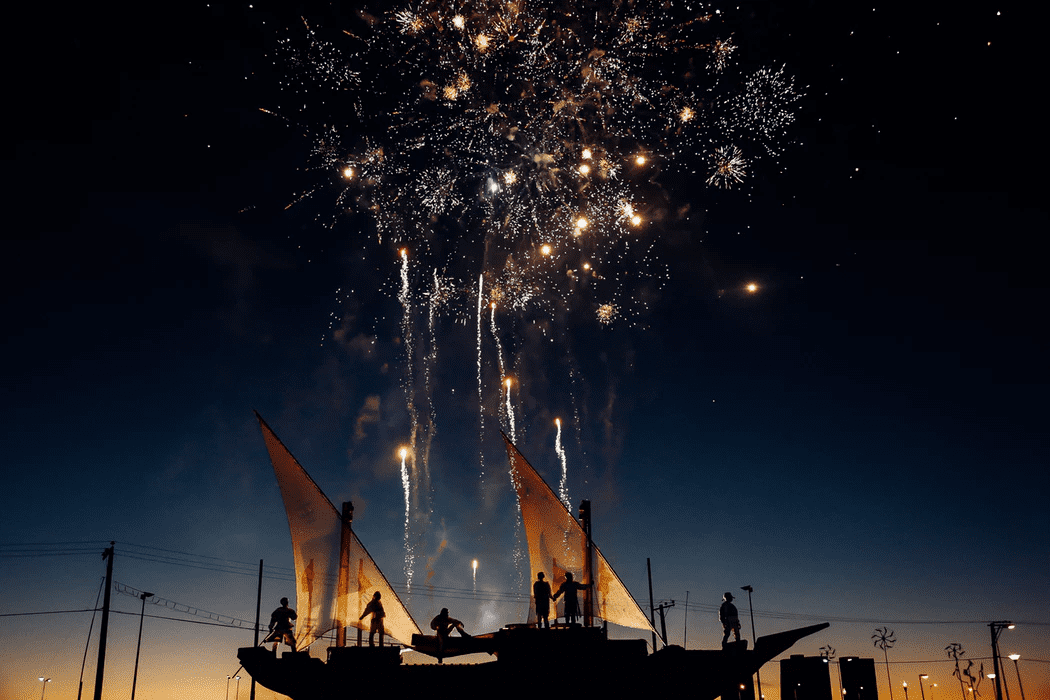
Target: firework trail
[(521, 143), (481, 385), (510, 411), (563, 486), (406, 483)]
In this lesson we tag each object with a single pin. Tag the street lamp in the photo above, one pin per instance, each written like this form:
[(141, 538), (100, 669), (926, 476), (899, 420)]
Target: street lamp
[(43, 685), (238, 695), (921, 691), (997, 627), (754, 639), (138, 647), (905, 690), (228, 679), (1014, 658)]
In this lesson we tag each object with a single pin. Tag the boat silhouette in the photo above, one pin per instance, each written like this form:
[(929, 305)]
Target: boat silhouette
[(336, 578)]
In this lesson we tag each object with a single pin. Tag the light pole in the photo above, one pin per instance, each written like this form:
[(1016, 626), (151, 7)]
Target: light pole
[(228, 679), (997, 627), (138, 647), (238, 694), (758, 676), (1014, 658), (921, 691), (905, 690), (43, 685)]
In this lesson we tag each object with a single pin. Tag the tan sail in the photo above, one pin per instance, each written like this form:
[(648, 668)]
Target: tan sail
[(317, 531), (557, 544)]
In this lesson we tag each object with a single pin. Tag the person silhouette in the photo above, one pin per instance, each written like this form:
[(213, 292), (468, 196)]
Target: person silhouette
[(541, 591), (572, 603), (376, 608), (281, 626), (727, 615), (443, 625)]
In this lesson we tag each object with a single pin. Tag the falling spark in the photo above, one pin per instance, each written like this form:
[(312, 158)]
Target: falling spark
[(474, 564), (563, 487), (407, 484), (510, 411)]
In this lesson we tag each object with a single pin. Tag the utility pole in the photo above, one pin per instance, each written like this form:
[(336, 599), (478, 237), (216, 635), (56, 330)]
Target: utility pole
[(663, 622), (100, 670), (258, 611), (652, 613)]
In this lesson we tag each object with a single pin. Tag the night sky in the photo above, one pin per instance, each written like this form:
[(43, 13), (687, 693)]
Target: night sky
[(862, 439)]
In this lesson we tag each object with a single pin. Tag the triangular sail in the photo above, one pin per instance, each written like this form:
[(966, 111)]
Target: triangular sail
[(557, 544), (317, 530)]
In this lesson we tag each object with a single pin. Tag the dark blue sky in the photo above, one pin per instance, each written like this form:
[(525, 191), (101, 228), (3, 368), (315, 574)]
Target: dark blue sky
[(862, 440)]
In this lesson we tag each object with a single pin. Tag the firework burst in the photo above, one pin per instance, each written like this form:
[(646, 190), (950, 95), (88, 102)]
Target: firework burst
[(483, 135)]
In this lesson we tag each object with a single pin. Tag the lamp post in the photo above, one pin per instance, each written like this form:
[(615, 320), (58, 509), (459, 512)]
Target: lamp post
[(758, 676), (138, 647), (228, 679), (43, 685), (997, 627), (921, 691), (905, 690), (1014, 658), (237, 696)]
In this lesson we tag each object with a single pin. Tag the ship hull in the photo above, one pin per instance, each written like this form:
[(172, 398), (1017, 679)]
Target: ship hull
[(522, 656)]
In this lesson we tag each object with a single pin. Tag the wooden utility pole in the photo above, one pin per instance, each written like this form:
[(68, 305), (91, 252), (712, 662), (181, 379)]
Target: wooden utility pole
[(663, 623), (100, 670), (258, 611), (652, 613)]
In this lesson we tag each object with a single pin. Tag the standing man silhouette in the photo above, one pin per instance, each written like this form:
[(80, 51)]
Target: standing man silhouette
[(281, 626), (572, 604), (376, 608), (541, 591), (729, 618)]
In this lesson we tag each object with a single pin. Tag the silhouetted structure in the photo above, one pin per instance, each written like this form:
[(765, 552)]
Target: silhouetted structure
[(858, 678), (805, 678)]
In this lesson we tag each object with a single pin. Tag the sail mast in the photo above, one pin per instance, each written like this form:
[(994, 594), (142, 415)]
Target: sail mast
[(343, 592)]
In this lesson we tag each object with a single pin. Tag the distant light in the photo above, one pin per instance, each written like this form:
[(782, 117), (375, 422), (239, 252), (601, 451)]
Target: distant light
[(640, 160), (348, 173), (752, 287), (545, 249), (586, 153), (581, 223), (458, 21), (636, 220), (584, 169), (403, 452)]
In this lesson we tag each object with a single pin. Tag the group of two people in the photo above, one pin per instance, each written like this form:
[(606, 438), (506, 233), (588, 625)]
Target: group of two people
[(282, 622)]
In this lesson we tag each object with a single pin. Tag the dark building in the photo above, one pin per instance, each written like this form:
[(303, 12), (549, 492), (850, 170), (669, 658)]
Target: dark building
[(805, 678), (858, 678)]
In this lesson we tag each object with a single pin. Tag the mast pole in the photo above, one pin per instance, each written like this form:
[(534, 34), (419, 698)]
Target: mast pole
[(258, 611), (343, 594), (100, 670), (588, 567)]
